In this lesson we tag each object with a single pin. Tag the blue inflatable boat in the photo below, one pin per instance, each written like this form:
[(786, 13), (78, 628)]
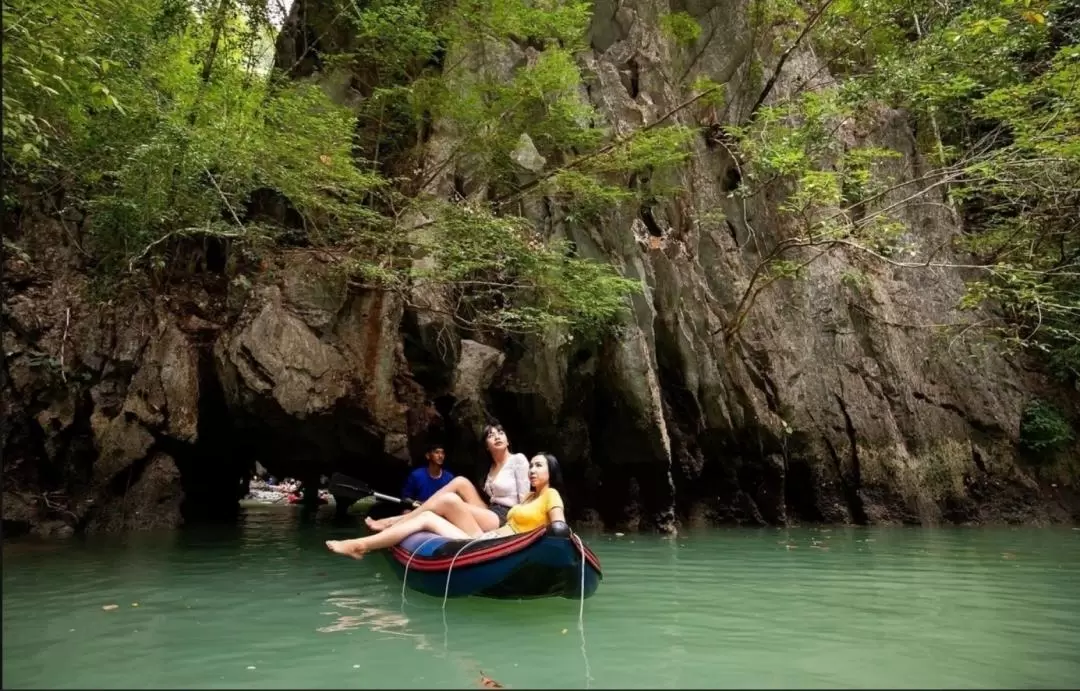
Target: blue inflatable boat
[(546, 562)]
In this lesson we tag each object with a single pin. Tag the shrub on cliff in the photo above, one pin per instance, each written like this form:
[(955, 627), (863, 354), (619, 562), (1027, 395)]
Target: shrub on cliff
[(163, 121), (990, 88), (1043, 428)]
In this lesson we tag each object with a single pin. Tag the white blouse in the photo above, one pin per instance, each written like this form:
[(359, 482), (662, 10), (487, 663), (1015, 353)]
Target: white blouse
[(511, 485)]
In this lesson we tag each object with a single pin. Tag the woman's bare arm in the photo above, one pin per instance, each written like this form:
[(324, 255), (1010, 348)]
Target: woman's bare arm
[(521, 477)]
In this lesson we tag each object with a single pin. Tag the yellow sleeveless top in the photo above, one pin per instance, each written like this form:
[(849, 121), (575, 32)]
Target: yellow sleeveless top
[(533, 514)]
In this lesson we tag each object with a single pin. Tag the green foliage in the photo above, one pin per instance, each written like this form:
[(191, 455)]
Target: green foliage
[(163, 120), (1043, 428), (503, 275), (680, 27), (715, 93), (585, 196), (556, 21), (990, 86), (656, 149), (165, 152)]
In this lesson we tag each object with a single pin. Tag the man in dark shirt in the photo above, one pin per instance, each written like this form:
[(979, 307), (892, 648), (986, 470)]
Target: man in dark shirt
[(426, 481)]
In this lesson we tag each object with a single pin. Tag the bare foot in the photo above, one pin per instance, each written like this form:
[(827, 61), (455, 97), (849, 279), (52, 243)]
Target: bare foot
[(353, 550)]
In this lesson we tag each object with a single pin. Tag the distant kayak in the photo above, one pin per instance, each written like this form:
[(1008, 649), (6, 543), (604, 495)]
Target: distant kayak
[(295, 498), (541, 563)]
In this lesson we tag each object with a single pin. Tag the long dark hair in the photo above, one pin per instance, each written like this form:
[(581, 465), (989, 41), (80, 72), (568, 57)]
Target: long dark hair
[(554, 471)]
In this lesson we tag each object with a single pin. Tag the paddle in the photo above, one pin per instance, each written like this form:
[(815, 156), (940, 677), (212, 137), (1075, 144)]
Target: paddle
[(351, 488)]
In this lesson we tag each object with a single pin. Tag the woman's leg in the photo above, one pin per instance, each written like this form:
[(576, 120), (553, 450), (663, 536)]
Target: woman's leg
[(459, 486), (451, 507), (454, 509), (426, 520)]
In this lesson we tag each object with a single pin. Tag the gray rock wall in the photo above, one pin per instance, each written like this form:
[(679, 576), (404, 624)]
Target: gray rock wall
[(839, 402)]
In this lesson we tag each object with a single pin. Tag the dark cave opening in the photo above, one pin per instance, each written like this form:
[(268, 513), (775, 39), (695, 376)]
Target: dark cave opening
[(213, 471), (635, 486), (800, 494), (12, 529)]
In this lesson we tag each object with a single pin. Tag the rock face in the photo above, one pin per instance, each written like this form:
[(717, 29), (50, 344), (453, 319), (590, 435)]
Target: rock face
[(839, 403), (311, 371), (92, 393)]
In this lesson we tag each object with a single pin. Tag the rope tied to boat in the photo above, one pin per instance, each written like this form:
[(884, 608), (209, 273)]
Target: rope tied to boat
[(405, 580), (446, 591), (581, 609)]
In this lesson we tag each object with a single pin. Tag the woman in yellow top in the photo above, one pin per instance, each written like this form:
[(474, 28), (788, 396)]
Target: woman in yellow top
[(542, 506)]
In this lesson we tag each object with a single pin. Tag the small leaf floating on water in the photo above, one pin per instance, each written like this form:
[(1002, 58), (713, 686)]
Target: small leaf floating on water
[(488, 682), (109, 608)]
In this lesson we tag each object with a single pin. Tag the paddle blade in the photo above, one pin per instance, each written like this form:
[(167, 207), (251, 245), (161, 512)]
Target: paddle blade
[(342, 485)]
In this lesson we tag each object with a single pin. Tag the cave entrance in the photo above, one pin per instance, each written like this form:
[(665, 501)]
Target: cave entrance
[(214, 473)]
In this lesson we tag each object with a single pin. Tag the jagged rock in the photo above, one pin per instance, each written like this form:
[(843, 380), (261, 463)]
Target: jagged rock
[(278, 355), (317, 390), (120, 442), (54, 422), (57, 529), (476, 368), (164, 394), (152, 502), (19, 508), (314, 293), (526, 155), (86, 386)]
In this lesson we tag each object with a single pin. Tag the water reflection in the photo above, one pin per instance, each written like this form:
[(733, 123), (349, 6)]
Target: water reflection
[(369, 616)]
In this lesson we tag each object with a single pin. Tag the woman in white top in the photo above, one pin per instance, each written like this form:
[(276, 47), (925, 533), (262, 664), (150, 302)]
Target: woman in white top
[(506, 485)]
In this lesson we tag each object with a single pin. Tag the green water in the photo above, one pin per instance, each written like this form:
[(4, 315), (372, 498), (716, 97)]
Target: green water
[(264, 605)]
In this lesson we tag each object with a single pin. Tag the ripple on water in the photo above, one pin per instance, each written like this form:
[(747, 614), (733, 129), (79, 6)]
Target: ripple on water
[(728, 608)]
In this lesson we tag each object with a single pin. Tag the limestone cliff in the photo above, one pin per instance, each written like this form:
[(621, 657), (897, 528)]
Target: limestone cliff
[(838, 403)]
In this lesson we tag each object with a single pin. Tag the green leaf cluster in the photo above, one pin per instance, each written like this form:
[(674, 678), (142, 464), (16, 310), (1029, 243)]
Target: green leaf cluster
[(990, 87), (680, 27), (1044, 428), (168, 120)]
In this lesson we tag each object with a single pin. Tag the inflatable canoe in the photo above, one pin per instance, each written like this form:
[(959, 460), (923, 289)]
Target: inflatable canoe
[(544, 563)]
